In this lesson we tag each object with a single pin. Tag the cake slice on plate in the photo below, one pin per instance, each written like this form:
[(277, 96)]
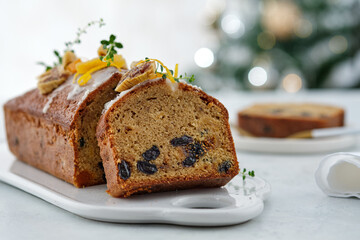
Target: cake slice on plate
[(162, 135), (281, 120)]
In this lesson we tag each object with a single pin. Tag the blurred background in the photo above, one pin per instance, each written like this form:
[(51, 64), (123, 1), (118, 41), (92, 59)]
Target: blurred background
[(288, 46), (242, 44)]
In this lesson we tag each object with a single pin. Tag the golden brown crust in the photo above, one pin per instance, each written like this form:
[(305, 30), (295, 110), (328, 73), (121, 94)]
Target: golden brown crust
[(50, 141), (280, 126), (108, 150)]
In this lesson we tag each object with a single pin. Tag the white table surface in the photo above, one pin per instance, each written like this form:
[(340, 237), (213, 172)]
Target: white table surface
[(297, 209)]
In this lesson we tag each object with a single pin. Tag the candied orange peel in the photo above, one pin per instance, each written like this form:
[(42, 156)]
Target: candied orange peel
[(168, 72), (93, 65)]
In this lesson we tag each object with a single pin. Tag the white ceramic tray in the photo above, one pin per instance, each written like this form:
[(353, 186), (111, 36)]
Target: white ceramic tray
[(235, 203), (279, 145)]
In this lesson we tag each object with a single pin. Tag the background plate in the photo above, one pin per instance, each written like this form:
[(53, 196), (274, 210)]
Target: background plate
[(283, 145), (235, 203)]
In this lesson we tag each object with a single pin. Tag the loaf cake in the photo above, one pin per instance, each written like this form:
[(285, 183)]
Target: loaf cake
[(53, 128), (163, 135), (285, 120)]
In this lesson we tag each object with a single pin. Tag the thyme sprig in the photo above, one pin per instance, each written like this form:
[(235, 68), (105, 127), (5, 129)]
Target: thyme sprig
[(190, 79), (59, 62), (110, 47), (248, 173), (69, 45)]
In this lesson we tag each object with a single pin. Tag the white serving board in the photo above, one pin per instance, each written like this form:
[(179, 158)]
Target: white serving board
[(235, 203), (286, 145)]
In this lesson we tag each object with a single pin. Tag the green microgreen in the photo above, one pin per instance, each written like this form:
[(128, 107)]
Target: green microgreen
[(110, 47), (245, 173)]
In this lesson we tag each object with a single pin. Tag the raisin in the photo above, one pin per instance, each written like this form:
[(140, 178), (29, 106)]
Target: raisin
[(277, 111), (151, 154), (224, 167), (146, 167), (181, 141), (323, 116), (189, 161), (16, 142), (82, 142), (305, 114), (196, 150), (267, 129), (124, 169), (101, 166)]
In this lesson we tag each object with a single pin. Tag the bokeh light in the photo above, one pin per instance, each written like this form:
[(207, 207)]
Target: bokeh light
[(233, 26), (338, 44), (304, 28), (292, 83), (266, 40), (204, 57), (257, 76)]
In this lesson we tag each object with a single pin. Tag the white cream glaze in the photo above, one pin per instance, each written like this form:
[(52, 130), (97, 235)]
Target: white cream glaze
[(97, 78), (173, 85), (52, 95), (190, 84)]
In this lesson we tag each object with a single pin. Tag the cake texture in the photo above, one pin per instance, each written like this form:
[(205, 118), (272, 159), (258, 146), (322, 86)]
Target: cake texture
[(162, 135), (284, 120), (56, 132)]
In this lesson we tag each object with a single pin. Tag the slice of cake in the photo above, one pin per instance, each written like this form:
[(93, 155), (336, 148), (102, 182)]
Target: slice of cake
[(162, 135), (53, 127), (283, 120)]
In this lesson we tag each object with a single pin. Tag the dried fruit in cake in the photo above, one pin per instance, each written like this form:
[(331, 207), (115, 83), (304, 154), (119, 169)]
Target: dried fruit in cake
[(175, 129), (285, 120)]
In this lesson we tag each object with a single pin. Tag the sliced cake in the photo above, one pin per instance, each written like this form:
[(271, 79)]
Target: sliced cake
[(53, 127), (164, 135), (279, 120)]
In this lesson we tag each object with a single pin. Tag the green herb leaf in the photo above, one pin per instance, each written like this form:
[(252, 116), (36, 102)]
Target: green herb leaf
[(104, 42), (249, 173), (112, 38), (110, 47), (118, 45)]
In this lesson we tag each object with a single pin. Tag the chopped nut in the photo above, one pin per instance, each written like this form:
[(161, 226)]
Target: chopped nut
[(51, 79), (137, 75), (68, 58), (101, 51)]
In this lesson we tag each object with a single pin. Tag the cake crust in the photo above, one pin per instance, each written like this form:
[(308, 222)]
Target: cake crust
[(49, 138), (284, 120), (118, 187)]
